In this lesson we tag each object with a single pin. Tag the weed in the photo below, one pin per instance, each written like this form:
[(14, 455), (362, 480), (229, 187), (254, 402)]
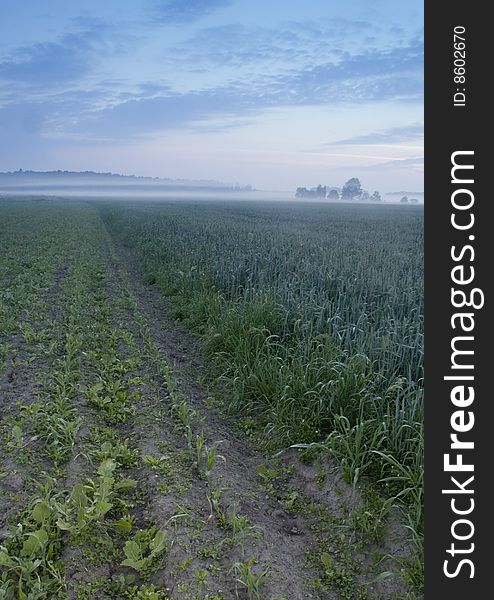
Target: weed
[(206, 456), (146, 551), (216, 506), (119, 451), (246, 576), (146, 592), (89, 502)]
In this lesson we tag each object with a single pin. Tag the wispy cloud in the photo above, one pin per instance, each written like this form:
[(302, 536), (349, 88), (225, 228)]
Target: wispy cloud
[(59, 62), (414, 163), (183, 11), (304, 45), (139, 116), (372, 75), (48, 63), (238, 45), (110, 113), (301, 64), (394, 135)]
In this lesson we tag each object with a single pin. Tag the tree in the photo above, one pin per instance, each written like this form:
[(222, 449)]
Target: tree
[(376, 197), (317, 192), (404, 200), (321, 191), (351, 189), (333, 195)]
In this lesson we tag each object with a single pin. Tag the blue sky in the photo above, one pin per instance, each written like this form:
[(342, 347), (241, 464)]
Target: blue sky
[(268, 92)]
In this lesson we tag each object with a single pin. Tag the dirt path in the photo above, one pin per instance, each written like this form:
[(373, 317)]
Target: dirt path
[(260, 532), (276, 540)]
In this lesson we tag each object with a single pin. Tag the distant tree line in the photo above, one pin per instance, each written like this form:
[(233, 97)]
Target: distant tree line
[(351, 190), (321, 191)]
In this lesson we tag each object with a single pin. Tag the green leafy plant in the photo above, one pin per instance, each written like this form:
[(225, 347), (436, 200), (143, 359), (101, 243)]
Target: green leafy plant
[(119, 450), (112, 398), (146, 592), (30, 557), (91, 501), (146, 550)]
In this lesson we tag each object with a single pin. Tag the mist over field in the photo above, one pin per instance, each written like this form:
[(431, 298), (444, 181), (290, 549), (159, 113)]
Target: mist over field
[(109, 185)]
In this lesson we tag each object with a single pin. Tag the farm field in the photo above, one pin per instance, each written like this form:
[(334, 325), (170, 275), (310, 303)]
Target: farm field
[(210, 400)]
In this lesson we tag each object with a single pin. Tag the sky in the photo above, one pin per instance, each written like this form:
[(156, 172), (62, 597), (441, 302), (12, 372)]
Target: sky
[(273, 93)]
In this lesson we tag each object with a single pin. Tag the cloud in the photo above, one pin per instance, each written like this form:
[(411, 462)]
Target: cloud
[(109, 113), (415, 163), (183, 11), (144, 116), (301, 64), (368, 76), (295, 44), (45, 63), (387, 136), (139, 116), (52, 63)]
